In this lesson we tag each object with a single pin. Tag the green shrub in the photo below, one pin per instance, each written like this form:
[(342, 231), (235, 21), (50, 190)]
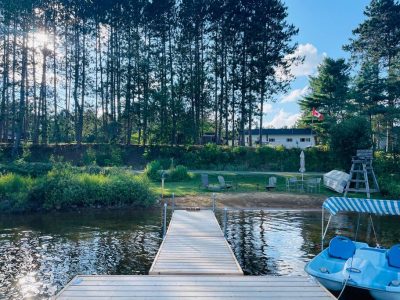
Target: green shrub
[(390, 186), (153, 170), (179, 173), (65, 187), (14, 192), (89, 158), (116, 156), (27, 169), (348, 136)]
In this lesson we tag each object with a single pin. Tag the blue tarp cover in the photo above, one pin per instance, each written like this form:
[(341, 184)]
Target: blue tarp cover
[(372, 206)]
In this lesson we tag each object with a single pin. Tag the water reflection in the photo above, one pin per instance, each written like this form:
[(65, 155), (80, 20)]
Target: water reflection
[(282, 242), (39, 254)]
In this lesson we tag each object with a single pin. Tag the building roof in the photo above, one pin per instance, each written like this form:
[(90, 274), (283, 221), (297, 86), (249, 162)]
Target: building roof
[(281, 131)]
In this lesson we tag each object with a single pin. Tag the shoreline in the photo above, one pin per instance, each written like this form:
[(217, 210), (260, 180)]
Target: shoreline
[(253, 201)]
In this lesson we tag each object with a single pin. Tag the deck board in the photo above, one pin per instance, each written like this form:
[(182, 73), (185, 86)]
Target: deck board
[(195, 245), (193, 287)]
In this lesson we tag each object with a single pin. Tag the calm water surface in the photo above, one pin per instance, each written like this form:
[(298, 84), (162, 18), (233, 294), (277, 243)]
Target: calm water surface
[(39, 254)]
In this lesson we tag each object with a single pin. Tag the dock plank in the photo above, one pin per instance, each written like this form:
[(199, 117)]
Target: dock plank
[(193, 287), (194, 244)]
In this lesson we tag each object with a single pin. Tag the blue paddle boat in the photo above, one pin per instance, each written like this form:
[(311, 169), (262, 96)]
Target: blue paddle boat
[(351, 263)]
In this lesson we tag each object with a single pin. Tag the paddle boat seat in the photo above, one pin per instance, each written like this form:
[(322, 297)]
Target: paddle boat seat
[(393, 256), (341, 247), (328, 266)]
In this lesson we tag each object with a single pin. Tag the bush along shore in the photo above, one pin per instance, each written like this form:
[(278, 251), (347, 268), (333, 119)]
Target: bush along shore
[(66, 187)]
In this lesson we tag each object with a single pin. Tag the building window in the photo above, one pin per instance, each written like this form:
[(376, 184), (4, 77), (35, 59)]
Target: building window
[(271, 140), (303, 140), (289, 140)]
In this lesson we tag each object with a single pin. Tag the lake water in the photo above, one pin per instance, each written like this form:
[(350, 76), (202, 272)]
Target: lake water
[(40, 253)]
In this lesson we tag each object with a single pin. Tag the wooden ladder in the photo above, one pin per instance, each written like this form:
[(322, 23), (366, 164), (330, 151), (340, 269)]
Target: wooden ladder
[(362, 167)]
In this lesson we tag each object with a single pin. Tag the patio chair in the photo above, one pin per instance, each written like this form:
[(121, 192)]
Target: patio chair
[(313, 185), (206, 185), (271, 183), (224, 184), (291, 184)]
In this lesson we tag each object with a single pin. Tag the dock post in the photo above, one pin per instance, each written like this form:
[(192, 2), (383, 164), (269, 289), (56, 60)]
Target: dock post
[(213, 202), (225, 221), (173, 202), (164, 220)]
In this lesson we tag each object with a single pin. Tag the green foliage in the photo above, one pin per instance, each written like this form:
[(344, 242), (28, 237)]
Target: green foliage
[(390, 186), (179, 173), (385, 163), (155, 170), (329, 95), (14, 192), (348, 136), (89, 158), (26, 152), (28, 169), (213, 157), (65, 187), (109, 155)]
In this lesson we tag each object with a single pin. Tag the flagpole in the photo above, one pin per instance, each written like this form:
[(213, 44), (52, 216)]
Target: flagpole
[(312, 124)]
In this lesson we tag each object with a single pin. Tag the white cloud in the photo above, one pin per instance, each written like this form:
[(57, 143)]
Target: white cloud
[(267, 108), (283, 119), (311, 60), (295, 95)]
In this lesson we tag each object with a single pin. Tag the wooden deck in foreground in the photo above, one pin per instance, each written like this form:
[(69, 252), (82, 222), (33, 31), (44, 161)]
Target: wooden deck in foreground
[(193, 287), (194, 261)]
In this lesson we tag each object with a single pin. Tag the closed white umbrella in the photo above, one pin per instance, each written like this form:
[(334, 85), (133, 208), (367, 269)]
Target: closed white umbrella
[(302, 164)]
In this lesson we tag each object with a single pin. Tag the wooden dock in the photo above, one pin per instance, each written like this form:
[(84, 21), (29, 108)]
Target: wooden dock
[(194, 261), (193, 287), (195, 245)]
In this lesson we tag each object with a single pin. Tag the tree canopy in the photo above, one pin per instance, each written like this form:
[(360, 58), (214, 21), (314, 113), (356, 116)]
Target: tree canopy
[(139, 71)]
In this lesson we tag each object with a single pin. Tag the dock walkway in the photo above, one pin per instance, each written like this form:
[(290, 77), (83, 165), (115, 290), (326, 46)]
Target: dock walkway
[(195, 245), (194, 261)]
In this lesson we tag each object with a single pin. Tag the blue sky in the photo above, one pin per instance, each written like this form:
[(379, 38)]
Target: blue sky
[(324, 27)]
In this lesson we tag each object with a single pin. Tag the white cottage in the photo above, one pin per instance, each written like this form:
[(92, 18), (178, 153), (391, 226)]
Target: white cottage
[(289, 138)]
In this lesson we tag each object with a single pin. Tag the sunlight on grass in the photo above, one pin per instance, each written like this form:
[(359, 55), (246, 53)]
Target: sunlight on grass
[(242, 183)]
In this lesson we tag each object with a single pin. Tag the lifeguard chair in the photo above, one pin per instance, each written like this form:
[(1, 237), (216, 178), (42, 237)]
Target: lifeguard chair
[(360, 174)]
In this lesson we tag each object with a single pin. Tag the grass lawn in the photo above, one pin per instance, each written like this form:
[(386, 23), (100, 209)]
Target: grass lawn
[(242, 184)]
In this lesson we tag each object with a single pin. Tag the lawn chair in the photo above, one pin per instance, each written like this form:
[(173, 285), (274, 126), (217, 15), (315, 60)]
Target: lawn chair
[(224, 184), (206, 185), (271, 183), (291, 184), (314, 185)]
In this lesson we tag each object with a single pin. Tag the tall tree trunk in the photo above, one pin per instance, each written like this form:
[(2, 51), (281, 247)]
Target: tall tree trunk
[(128, 109), (43, 96), (3, 109), (83, 90), (76, 85), (21, 108), (35, 135), (172, 91), (14, 83), (243, 96), (56, 128)]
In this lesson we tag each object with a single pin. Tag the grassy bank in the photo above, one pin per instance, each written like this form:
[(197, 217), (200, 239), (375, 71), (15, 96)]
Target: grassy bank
[(47, 186), (242, 183), (253, 183), (65, 187)]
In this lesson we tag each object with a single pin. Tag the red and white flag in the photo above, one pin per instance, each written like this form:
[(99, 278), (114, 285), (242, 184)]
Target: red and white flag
[(317, 114)]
